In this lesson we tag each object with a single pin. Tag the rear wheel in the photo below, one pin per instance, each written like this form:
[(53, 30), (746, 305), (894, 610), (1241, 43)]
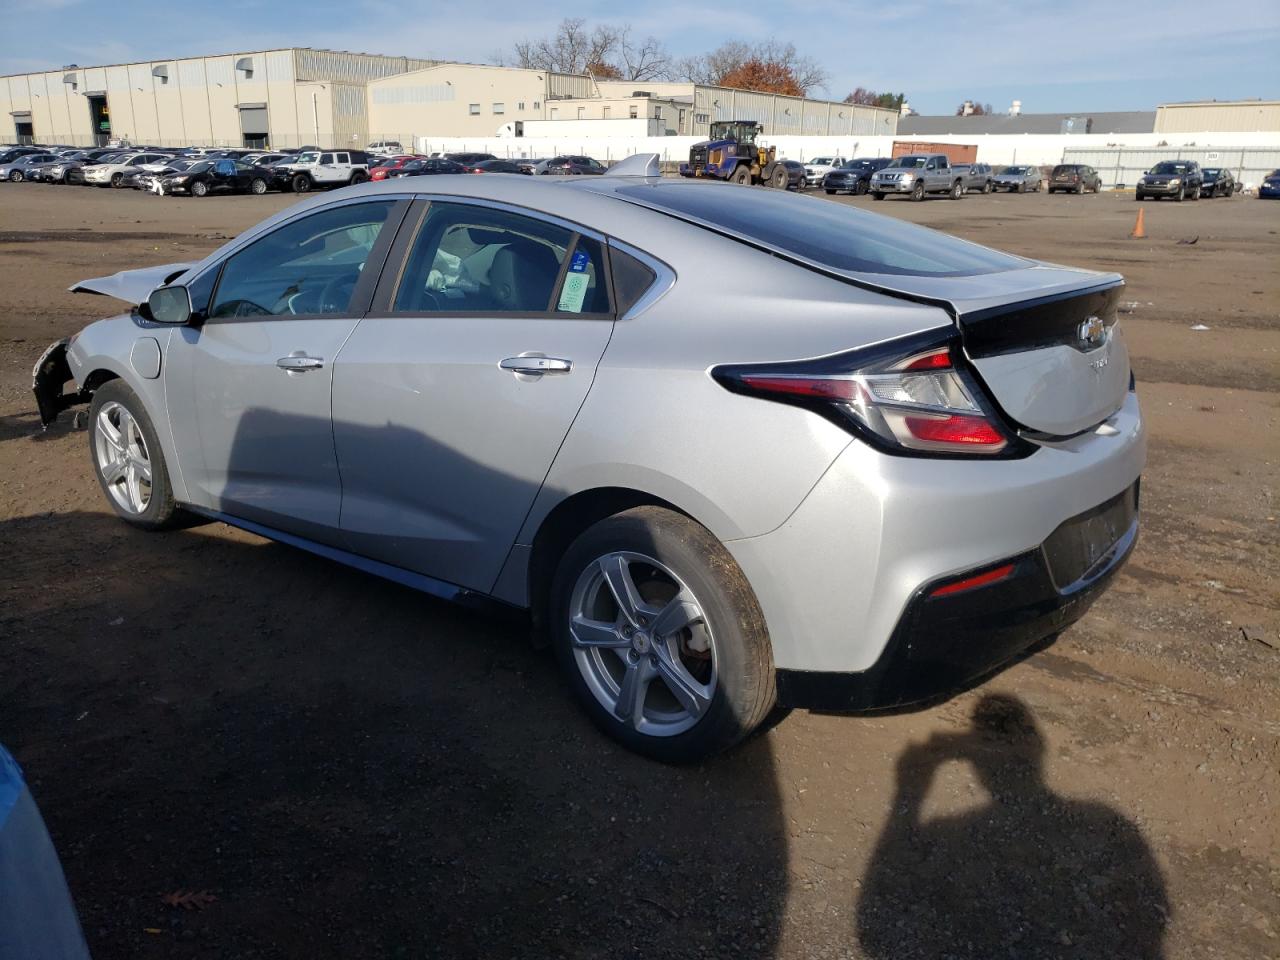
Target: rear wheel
[(957, 190), (917, 192), (359, 176), (986, 187), (1080, 188), (127, 458), (660, 636)]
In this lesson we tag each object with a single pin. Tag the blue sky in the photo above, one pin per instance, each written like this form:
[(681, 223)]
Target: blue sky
[(1053, 55)]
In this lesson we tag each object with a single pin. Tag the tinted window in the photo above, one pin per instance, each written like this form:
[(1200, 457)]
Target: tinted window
[(631, 279), (832, 235), (308, 266), (326, 158), (470, 259)]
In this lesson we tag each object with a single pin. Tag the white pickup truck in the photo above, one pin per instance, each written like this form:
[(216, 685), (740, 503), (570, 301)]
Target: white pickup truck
[(319, 169), (819, 167)]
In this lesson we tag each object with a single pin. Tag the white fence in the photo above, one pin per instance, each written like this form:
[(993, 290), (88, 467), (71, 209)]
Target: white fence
[(1122, 166), (999, 150)]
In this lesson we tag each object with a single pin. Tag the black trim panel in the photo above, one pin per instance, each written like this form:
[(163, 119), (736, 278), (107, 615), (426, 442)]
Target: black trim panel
[(1039, 323)]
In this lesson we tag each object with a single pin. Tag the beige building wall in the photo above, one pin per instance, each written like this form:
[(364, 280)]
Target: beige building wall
[(1242, 116), (669, 112), (458, 100)]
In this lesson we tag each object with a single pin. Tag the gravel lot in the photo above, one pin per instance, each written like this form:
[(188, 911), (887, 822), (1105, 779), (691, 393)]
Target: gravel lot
[(355, 770)]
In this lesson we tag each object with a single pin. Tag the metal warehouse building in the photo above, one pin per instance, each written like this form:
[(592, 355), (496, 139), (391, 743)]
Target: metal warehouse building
[(287, 98), (1238, 116)]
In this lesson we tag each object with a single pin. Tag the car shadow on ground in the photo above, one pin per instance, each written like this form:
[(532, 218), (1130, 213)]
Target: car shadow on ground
[(1029, 873), (351, 768)]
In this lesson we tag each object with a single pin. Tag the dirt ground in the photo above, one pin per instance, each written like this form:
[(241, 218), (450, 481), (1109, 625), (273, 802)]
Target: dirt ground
[(355, 770)]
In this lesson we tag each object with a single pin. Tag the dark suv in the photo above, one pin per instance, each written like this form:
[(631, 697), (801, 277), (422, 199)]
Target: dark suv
[(1218, 182), (1074, 178), (1179, 179), (854, 176), (574, 166)]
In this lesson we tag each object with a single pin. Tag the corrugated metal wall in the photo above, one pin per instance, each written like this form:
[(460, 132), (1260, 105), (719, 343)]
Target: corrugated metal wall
[(1122, 166), (338, 66), (1262, 115), (786, 116), (350, 115), (569, 86)]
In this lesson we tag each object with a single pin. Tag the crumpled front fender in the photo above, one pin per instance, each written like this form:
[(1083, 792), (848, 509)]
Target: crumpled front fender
[(48, 379)]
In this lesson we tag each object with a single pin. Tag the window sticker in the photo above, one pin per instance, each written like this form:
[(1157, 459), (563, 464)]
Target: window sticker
[(576, 281)]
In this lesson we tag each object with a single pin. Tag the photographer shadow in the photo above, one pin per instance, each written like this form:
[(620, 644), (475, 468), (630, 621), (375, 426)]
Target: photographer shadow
[(1028, 874)]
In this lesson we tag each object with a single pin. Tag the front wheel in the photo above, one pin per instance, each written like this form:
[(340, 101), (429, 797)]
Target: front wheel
[(917, 192), (127, 458), (741, 175), (660, 636), (986, 187), (1195, 192), (877, 195), (15, 176), (199, 188), (301, 183), (830, 192), (779, 179), (1182, 194), (117, 180)]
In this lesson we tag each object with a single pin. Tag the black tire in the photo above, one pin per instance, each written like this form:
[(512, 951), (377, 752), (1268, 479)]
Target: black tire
[(1195, 193), (358, 177), (877, 195), (830, 192), (917, 192), (1022, 187), (161, 507), (861, 187), (1182, 194), (957, 190), (745, 693), (301, 183), (779, 178), (199, 189), (117, 180), (15, 176), (1080, 189), (987, 187), (741, 174), (257, 186)]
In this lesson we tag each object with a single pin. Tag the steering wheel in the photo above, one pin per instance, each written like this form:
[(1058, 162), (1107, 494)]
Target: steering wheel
[(336, 294)]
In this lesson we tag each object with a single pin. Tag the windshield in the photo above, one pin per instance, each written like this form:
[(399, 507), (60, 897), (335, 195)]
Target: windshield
[(1018, 171), (1211, 172), (835, 236), (822, 161), (857, 165), (308, 157), (1170, 166), (911, 163)]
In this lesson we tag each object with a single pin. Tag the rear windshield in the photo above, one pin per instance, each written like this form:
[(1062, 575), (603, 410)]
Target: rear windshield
[(831, 235), (1065, 168)]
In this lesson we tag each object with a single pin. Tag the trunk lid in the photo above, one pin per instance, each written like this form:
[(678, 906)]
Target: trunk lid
[(1044, 341)]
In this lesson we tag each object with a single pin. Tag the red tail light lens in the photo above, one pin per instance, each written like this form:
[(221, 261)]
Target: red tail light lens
[(970, 583), (908, 396)]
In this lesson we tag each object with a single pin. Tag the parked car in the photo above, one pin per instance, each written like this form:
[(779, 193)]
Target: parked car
[(215, 176), (976, 177), (10, 154), (916, 176), (529, 165), (111, 171), (817, 168), (574, 166), (148, 177), (689, 579), (854, 176), (495, 166), (427, 167), (318, 169), (469, 159), (25, 167), (797, 176), (384, 169), (1178, 179), (1269, 188), (1074, 178), (385, 148), (1017, 179), (1218, 182)]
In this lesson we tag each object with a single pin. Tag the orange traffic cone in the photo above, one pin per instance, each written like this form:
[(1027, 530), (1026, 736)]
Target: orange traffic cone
[(1139, 233)]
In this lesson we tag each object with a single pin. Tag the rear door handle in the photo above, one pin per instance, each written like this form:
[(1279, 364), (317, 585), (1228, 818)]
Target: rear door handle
[(299, 364), (536, 365)]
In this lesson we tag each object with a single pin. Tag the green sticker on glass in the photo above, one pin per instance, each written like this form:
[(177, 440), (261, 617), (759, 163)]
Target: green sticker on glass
[(573, 293)]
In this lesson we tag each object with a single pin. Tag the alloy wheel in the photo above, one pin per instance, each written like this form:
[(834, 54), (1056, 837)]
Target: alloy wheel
[(642, 643), (122, 458)]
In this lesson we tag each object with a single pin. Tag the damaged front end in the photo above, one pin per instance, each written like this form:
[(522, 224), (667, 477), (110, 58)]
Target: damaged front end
[(48, 380)]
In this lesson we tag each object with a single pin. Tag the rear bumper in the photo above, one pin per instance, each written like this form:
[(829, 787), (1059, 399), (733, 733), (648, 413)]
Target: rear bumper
[(942, 644)]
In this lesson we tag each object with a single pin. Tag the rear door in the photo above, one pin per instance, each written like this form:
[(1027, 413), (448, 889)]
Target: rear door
[(453, 395)]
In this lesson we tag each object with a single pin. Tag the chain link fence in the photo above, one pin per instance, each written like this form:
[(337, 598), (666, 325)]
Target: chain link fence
[(1121, 167)]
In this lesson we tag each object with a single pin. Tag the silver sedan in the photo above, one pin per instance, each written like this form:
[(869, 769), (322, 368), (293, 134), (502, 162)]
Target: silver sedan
[(1017, 180), (733, 449)]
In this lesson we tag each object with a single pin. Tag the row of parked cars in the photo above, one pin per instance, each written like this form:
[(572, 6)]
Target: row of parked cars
[(919, 175), (199, 171)]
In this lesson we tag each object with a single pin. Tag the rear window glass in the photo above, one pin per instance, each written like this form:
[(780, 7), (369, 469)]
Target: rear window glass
[(832, 235)]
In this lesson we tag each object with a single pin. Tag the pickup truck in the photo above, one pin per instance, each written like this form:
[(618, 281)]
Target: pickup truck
[(917, 175), (318, 169)]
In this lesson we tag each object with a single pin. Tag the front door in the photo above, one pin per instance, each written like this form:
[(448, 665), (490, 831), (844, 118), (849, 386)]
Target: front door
[(452, 397), (255, 378)]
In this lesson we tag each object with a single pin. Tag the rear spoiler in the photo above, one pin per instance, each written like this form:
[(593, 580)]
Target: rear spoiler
[(132, 286)]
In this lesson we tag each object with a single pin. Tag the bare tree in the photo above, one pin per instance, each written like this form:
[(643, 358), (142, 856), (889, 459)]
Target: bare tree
[(604, 50)]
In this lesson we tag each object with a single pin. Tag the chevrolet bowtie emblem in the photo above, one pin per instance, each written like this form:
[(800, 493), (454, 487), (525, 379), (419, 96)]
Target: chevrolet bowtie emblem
[(1092, 332)]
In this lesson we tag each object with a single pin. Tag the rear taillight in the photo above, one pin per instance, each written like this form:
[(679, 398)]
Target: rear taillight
[(908, 396)]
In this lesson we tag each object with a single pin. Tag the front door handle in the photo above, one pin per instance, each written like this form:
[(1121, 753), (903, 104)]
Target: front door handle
[(299, 364), (536, 365)]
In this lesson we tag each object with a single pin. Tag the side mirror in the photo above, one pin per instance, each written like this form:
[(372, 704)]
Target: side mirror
[(170, 305)]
